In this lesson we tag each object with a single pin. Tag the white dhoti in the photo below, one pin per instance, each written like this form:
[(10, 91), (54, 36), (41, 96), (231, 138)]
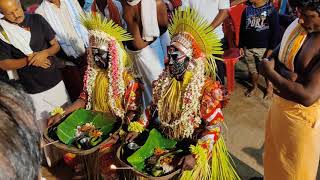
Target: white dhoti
[(150, 63), (44, 103), (165, 42)]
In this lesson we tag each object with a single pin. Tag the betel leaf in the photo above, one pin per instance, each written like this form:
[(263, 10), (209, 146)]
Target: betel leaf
[(155, 140), (67, 129)]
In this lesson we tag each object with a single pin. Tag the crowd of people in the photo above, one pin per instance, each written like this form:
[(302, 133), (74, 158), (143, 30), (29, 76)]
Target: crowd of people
[(158, 63)]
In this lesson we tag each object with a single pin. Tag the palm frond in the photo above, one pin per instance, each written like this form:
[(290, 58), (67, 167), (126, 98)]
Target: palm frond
[(97, 22)]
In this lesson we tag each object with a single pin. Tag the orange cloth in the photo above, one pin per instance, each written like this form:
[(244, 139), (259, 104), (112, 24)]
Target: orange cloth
[(291, 43), (292, 142)]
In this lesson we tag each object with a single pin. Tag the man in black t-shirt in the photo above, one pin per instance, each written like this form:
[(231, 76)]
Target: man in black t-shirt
[(28, 46)]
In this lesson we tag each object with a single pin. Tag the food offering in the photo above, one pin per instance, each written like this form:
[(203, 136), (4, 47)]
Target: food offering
[(157, 157), (83, 130)]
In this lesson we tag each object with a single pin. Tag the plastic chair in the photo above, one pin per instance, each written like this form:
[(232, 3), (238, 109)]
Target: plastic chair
[(232, 55), (235, 13)]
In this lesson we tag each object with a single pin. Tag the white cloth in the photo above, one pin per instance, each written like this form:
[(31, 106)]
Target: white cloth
[(48, 100), (165, 42), (293, 30), (133, 2), (65, 21), (150, 63), (209, 9), (149, 19), (17, 37), (44, 103)]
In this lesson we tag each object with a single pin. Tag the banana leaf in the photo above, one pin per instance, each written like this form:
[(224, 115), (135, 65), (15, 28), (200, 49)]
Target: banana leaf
[(66, 130), (155, 140)]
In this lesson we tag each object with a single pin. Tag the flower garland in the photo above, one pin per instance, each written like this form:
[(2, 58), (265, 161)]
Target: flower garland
[(191, 100), (135, 127), (58, 110), (89, 81), (116, 88)]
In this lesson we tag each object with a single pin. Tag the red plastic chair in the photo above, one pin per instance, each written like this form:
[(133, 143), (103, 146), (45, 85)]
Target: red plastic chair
[(232, 55), (235, 13)]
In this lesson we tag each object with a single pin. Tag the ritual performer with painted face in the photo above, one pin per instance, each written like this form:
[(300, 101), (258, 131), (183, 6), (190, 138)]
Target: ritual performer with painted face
[(110, 84), (187, 100)]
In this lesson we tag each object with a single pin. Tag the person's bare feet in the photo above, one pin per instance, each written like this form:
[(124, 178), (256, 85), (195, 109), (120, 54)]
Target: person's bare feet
[(250, 92), (269, 92)]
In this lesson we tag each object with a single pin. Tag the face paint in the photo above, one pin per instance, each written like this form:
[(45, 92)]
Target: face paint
[(178, 62), (100, 57)]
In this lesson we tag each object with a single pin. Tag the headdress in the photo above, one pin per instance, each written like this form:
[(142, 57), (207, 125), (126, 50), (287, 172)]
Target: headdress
[(109, 91), (193, 35)]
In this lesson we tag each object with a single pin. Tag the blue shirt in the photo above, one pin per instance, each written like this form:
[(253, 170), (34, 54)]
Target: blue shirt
[(259, 27)]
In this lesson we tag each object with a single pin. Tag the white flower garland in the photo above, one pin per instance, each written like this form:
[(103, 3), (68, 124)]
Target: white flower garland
[(191, 100), (91, 75)]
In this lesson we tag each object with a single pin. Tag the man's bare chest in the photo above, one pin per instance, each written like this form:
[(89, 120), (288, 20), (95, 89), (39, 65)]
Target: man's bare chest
[(308, 55)]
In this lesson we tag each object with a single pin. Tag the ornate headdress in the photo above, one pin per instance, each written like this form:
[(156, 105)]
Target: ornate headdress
[(104, 34), (193, 35)]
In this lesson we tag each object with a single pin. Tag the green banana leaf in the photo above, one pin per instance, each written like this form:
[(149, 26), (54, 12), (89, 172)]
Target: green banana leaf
[(67, 129), (155, 139)]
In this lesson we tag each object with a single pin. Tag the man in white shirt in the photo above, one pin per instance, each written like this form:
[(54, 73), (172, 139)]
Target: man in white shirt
[(215, 12), (64, 17)]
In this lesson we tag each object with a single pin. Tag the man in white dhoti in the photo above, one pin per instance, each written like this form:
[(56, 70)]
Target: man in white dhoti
[(28, 46), (147, 20)]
